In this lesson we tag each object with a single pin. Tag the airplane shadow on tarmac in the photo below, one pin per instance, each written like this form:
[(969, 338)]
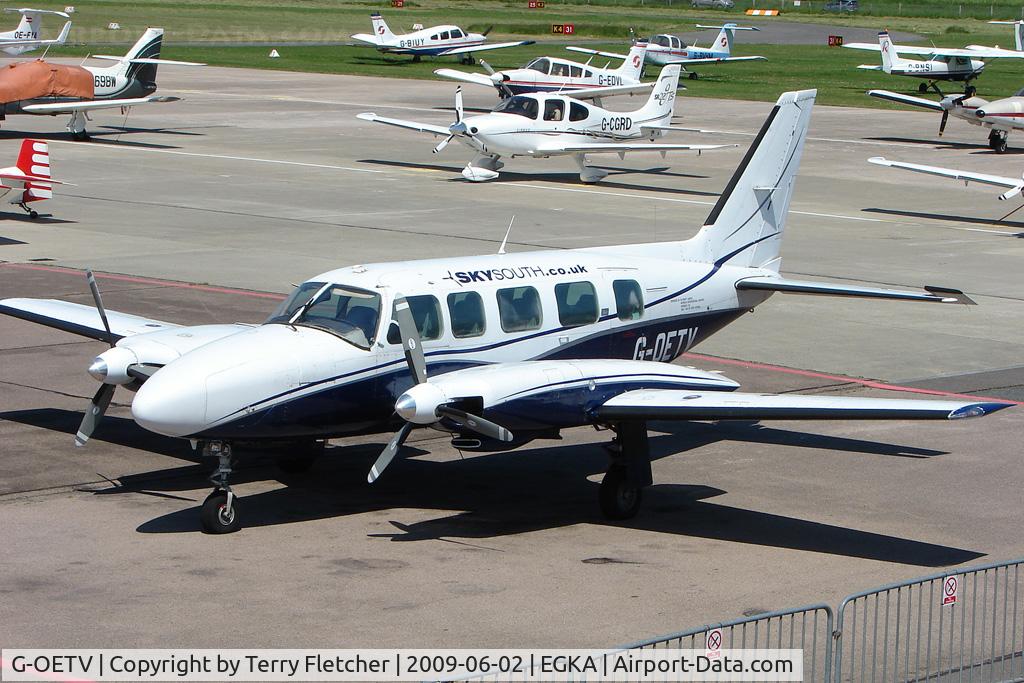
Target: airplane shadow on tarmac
[(486, 496), (942, 144), (99, 137), (992, 222)]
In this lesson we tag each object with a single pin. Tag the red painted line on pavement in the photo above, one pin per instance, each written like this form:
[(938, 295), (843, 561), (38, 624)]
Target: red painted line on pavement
[(873, 384), (147, 281)]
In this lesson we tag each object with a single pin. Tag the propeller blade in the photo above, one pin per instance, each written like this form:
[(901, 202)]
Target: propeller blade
[(444, 143), (1010, 194), (91, 279), (411, 341), (942, 123), (389, 452), (489, 29), (458, 105), (487, 67), (94, 413), (475, 423)]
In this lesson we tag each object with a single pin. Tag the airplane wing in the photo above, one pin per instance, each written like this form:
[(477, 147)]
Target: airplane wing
[(977, 51), (476, 79), (986, 52), (623, 147), (609, 91), (716, 60), (587, 51), (1016, 185), (79, 319), (940, 295), (90, 105), (485, 46), (905, 99), (671, 404), (411, 125)]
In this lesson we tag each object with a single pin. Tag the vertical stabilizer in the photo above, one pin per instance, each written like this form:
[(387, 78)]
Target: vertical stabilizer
[(34, 160), (633, 66), (380, 28), (745, 227), (662, 102), (889, 56)]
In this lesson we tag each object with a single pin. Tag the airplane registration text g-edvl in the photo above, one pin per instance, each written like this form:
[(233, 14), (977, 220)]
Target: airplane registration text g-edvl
[(666, 346)]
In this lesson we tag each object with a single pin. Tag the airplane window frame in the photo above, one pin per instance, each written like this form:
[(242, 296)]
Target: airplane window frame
[(568, 314), (620, 307), (550, 108), (511, 306), (575, 107), (394, 335), (458, 33), (478, 304), (446, 35)]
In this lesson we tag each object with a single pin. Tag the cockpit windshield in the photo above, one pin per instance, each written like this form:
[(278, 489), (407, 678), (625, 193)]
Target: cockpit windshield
[(346, 312), (1019, 93), (519, 105), (540, 64)]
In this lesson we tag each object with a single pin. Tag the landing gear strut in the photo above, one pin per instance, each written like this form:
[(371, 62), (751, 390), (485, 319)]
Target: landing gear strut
[(629, 472), (970, 91), (32, 213), (997, 141), (220, 513), (76, 126)]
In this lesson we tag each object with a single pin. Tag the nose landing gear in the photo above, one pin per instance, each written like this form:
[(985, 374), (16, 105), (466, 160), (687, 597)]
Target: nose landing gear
[(220, 513)]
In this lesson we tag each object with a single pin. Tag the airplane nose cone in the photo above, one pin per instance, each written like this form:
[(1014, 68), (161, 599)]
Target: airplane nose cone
[(457, 128), (98, 369), (170, 407)]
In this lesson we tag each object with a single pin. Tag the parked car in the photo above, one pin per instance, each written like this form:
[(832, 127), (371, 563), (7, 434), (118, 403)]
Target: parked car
[(841, 6), (714, 4)]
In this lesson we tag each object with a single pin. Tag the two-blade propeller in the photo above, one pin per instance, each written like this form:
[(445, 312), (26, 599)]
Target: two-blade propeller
[(498, 78), (101, 400), (457, 128), (947, 104), (437, 409)]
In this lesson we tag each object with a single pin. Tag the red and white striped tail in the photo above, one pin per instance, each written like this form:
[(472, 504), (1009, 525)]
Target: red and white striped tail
[(34, 160)]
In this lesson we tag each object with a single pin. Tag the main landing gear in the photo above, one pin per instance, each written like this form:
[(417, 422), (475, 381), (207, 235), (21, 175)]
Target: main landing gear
[(76, 126), (220, 514), (628, 473), (32, 213), (997, 141)]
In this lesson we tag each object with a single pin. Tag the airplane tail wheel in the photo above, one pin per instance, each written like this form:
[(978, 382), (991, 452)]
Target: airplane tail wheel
[(33, 214), (215, 515), (618, 498), (693, 75)]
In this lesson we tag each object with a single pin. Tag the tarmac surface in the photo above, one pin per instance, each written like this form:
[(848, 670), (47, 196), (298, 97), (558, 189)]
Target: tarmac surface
[(205, 210)]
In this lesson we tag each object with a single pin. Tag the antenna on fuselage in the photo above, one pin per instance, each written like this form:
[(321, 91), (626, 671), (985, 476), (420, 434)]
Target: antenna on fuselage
[(501, 249)]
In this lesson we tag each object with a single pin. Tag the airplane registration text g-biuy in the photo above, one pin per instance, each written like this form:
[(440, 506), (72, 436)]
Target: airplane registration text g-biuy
[(497, 350)]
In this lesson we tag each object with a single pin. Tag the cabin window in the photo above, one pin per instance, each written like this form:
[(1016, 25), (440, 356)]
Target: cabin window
[(435, 37), (445, 35), (467, 313), (519, 309), (559, 69), (629, 299), (577, 112), (662, 40), (676, 42), (577, 303), (519, 105), (427, 314), (457, 33), (554, 110), (542, 65), (576, 71), (588, 73), (345, 312)]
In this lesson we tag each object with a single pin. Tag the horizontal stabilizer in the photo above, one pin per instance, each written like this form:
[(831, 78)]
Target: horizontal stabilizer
[(716, 60), (609, 91), (778, 284), (672, 404), (79, 319), (147, 60)]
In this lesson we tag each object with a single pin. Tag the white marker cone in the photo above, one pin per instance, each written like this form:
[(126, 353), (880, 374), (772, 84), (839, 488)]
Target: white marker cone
[(274, 54)]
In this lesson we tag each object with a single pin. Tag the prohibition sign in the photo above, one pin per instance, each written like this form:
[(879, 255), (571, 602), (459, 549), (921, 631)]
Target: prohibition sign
[(950, 590), (713, 642)]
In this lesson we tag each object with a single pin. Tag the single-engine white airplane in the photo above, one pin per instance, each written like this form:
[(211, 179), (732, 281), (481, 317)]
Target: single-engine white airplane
[(497, 350), (436, 41), (25, 37), (29, 179), (548, 125), (943, 63), (1015, 185), (664, 49), (551, 74), (999, 116), (129, 82)]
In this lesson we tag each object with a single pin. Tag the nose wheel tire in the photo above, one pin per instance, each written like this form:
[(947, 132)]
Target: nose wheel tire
[(618, 498), (217, 516)]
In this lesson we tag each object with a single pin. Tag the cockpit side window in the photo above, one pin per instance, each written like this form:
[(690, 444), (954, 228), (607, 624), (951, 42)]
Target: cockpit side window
[(346, 312), (542, 65), (457, 33), (554, 110), (427, 314), (444, 35), (467, 314), (519, 105), (662, 40), (560, 69)]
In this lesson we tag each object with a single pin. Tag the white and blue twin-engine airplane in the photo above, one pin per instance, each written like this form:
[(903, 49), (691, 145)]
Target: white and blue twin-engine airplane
[(497, 350), (436, 41)]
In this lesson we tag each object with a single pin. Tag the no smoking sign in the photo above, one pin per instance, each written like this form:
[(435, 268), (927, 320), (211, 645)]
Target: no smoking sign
[(713, 643), (950, 590)]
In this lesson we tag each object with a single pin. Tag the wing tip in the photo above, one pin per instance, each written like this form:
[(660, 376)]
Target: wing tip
[(978, 409)]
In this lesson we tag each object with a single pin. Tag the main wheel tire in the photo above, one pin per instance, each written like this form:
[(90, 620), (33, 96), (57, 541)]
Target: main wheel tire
[(215, 516), (999, 145), (33, 214), (970, 91), (922, 87), (693, 76), (619, 500)]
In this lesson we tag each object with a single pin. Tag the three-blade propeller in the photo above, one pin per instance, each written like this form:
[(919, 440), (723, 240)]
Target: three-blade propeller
[(101, 400), (457, 128), (406, 406), (947, 104)]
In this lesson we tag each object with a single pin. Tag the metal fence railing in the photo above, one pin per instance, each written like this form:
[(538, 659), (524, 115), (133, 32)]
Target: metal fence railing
[(965, 625)]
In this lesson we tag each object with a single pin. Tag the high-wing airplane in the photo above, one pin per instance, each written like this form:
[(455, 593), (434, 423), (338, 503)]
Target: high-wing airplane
[(551, 74), (436, 41), (943, 63), (999, 116), (555, 125), (497, 350), (29, 179), (130, 81), (1015, 185), (666, 49), (26, 36)]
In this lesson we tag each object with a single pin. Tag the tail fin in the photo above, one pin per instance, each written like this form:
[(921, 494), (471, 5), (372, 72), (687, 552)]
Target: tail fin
[(889, 56), (724, 41), (1018, 35), (745, 227), (30, 25), (34, 160), (662, 101), (634, 62), (134, 64), (380, 28)]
